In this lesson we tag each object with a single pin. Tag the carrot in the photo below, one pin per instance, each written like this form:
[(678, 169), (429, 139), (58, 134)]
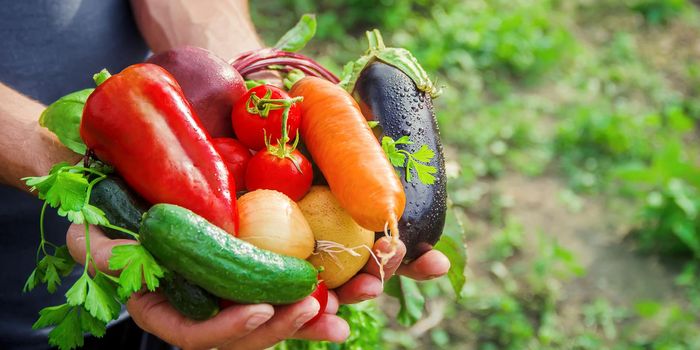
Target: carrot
[(344, 148)]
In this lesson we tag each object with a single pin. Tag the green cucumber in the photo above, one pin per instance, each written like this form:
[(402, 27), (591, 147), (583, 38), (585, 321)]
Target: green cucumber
[(124, 208), (225, 266), (188, 298)]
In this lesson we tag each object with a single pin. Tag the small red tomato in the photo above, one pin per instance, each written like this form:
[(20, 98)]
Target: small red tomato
[(258, 114), (235, 156), (321, 295), (286, 171)]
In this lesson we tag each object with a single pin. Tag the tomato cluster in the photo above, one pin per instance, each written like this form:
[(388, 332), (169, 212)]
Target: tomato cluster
[(266, 120)]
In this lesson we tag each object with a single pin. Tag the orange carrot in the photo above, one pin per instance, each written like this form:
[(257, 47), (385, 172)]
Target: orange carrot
[(349, 156)]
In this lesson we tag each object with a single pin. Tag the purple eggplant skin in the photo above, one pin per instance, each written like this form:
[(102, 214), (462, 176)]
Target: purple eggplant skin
[(389, 96), (210, 84)]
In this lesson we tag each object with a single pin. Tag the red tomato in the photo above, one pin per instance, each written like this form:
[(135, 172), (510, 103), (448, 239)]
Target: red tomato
[(321, 295), (235, 156), (271, 171), (252, 128)]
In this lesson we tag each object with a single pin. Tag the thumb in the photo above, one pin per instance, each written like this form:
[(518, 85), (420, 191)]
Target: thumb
[(100, 246)]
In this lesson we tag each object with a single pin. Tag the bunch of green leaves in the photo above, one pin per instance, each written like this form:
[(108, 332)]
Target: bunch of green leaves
[(92, 301)]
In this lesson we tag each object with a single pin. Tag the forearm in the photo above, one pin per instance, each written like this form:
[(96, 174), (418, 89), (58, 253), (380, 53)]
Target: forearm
[(221, 26), (26, 149)]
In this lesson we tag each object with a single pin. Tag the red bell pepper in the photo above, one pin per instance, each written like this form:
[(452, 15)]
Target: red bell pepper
[(139, 122)]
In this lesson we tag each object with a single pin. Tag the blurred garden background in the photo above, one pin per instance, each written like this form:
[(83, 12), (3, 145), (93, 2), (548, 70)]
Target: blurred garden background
[(571, 130)]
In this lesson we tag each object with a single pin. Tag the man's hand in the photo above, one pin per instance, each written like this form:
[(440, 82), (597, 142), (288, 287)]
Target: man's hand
[(254, 326), (367, 283)]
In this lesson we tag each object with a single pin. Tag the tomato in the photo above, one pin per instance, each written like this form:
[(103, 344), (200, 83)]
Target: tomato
[(321, 295), (235, 156), (253, 122), (284, 170)]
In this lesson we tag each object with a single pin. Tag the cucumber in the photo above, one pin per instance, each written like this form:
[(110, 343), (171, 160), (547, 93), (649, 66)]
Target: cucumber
[(124, 208), (190, 299), (225, 266)]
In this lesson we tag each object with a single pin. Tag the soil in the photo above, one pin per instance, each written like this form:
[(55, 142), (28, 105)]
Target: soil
[(615, 269)]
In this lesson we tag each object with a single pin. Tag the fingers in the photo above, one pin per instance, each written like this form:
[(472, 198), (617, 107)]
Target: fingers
[(153, 313), (287, 321), (327, 327), (383, 245), (362, 286), (430, 265), (367, 284), (100, 246), (333, 304)]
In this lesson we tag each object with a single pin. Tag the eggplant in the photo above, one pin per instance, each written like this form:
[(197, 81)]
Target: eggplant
[(389, 96)]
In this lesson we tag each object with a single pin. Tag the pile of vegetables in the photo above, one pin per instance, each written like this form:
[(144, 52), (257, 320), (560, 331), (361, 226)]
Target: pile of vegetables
[(235, 190)]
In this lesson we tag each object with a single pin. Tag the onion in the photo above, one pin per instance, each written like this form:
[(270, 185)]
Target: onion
[(271, 220)]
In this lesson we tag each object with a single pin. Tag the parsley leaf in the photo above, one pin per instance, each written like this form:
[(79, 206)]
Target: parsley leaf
[(88, 323), (68, 191), (135, 262), (425, 173), (101, 302), (67, 334), (94, 215), (412, 162), (77, 293), (424, 154), (51, 316), (396, 158), (50, 269), (372, 124)]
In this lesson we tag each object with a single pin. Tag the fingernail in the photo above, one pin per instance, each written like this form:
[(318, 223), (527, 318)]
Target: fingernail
[(256, 320), (364, 297), (306, 316)]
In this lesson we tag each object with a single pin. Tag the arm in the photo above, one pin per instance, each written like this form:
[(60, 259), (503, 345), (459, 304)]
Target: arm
[(221, 26), (28, 149)]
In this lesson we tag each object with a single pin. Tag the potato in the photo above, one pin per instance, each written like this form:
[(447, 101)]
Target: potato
[(331, 223)]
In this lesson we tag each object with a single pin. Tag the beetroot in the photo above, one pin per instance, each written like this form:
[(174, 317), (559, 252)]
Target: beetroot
[(210, 84)]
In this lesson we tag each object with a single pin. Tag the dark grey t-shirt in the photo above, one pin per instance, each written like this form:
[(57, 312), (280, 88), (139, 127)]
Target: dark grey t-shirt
[(49, 48)]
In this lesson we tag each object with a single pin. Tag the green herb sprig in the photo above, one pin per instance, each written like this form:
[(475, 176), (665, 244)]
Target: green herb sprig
[(416, 161), (91, 302)]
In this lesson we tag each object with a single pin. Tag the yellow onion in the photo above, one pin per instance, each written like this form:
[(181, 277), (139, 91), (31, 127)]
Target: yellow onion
[(342, 246), (270, 220)]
